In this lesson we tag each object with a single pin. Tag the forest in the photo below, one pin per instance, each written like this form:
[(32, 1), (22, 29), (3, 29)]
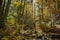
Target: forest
[(29, 19)]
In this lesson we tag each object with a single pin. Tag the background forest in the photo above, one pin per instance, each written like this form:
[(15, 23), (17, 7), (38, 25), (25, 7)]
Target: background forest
[(29, 19)]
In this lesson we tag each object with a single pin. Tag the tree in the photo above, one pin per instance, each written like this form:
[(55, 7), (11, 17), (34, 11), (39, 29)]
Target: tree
[(4, 8)]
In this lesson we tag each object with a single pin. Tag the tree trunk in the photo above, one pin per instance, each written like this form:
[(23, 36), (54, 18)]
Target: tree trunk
[(3, 14)]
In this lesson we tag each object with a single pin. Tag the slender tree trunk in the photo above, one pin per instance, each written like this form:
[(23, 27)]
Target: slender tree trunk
[(3, 14)]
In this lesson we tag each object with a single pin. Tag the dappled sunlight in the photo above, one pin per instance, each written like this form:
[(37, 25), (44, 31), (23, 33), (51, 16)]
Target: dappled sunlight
[(29, 19)]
